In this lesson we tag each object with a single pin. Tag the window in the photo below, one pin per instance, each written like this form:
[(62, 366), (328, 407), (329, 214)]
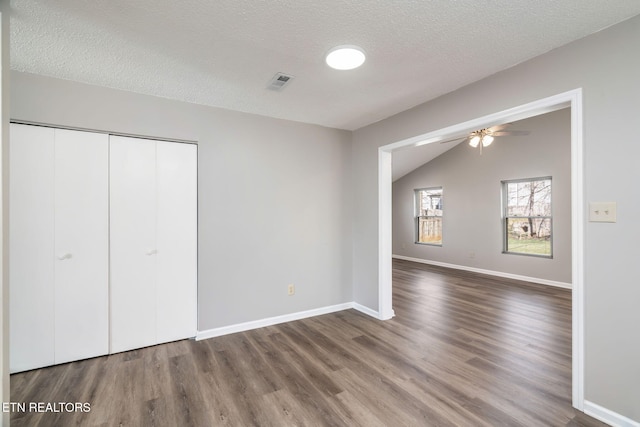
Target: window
[(429, 216), (527, 216)]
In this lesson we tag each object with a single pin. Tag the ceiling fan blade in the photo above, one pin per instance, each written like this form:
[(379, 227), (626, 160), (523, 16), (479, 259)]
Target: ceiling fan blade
[(454, 139), (511, 133), (497, 128)]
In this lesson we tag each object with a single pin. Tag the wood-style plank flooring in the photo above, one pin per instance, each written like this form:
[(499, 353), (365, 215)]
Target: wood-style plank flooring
[(463, 350)]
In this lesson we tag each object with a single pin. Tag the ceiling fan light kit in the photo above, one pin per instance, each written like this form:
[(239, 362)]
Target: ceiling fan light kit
[(479, 136), (484, 137), (474, 141)]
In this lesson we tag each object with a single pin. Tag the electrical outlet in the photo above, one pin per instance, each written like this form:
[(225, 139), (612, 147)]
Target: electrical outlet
[(291, 289)]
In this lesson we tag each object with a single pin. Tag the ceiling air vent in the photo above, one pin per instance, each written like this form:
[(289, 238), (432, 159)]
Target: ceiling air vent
[(279, 81)]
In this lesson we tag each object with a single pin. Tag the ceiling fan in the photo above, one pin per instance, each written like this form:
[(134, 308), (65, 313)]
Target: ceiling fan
[(484, 137)]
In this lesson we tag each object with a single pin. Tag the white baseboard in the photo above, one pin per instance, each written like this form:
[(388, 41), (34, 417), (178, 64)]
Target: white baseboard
[(366, 310), (255, 324), (607, 416), (489, 272)]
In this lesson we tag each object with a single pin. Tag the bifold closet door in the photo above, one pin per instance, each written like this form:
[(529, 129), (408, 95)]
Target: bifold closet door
[(81, 245), (177, 240), (59, 246), (31, 233), (133, 243), (153, 242)]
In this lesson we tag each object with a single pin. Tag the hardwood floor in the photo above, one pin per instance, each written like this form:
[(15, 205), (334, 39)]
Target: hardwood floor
[(463, 350)]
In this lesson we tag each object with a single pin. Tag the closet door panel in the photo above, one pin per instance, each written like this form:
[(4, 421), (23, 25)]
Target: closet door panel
[(82, 245), (31, 246), (133, 243), (177, 241)]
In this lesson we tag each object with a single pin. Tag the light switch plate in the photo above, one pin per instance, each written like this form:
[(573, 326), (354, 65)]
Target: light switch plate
[(602, 211)]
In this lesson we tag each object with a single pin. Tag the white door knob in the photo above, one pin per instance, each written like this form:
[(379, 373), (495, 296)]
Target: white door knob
[(152, 252), (64, 256)]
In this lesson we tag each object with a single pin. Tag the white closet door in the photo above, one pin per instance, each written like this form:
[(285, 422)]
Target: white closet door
[(31, 246), (177, 241), (81, 245), (133, 243)]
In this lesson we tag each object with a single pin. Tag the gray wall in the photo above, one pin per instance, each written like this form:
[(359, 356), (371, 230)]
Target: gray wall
[(274, 196), (472, 199), (606, 65)]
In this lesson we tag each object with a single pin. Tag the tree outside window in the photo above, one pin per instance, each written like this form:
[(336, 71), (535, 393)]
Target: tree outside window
[(527, 216), (428, 216)]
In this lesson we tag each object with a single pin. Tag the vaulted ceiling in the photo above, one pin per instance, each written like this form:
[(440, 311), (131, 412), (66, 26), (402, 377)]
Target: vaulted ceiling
[(223, 53)]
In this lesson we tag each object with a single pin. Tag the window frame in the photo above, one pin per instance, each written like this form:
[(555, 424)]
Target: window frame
[(417, 216), (506, 217)]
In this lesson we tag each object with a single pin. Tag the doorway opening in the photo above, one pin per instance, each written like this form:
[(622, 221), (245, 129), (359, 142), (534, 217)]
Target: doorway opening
[(571, 99)]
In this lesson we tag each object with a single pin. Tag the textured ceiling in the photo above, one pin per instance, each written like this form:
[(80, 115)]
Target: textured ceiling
[(223, 53)]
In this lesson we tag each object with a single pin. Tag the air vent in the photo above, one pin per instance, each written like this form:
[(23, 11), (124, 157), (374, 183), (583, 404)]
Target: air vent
[(279, 81)]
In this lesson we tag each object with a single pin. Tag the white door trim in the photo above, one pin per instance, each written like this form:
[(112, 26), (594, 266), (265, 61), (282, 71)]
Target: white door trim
[(572, 99)]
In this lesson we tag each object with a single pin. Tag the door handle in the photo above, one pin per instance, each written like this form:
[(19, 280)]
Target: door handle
[(152, 252), (64, 256)]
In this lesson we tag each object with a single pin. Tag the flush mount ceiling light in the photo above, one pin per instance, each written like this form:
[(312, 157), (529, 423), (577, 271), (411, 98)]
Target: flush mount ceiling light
[(346, 57)]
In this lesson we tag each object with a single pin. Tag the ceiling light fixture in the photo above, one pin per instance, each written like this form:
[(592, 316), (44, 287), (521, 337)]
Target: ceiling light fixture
[(487, 140), (474, 141), (482, 138), (346, 57)]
